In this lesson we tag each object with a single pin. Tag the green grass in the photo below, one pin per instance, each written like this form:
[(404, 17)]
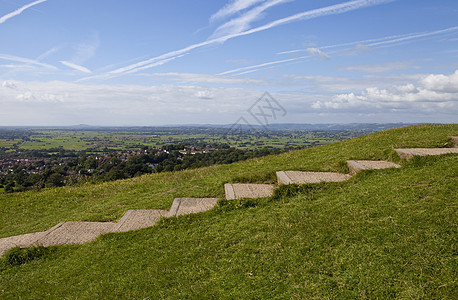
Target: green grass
[(382, 234)]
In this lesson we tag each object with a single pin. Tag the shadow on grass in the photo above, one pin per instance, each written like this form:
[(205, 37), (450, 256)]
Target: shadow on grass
[(19, 256)]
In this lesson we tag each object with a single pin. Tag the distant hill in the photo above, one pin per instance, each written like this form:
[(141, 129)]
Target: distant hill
[(372, 127)]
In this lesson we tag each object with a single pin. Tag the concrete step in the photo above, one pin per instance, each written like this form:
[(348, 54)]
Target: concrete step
[(23, 241), (248, 190), (138, 219), (184, 206), (409, 153), (298, 177), (356, 166), (73, 233)]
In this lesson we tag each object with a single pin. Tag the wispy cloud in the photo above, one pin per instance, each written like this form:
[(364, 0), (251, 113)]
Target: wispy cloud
[(206, 78), (370, 43), (75, 66), (318, 53), (315, 13), (117, 72), (414, 36), (383, 40), (263, 65), (9, 66), (244, 21), (26, 61), (155, 64), (379, 68), (19, 11), (233, 7), (47, 53), (87, 49)]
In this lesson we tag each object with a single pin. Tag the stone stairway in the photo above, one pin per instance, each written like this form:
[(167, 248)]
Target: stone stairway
[(77, 232)]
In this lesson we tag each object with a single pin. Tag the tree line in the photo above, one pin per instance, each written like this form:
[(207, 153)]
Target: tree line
[(65, 167)]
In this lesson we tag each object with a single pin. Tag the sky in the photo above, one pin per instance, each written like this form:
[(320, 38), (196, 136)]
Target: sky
[(155, 62)]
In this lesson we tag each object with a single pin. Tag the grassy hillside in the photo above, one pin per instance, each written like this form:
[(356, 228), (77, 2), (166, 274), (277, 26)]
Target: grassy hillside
[(382, 234)]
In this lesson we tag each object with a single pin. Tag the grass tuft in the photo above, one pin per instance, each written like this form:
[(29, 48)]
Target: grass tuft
[(224, 205), (255, 178), (285, 192), (18, 256)]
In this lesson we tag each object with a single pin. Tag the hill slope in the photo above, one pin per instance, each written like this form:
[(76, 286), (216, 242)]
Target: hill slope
[(388, 233)]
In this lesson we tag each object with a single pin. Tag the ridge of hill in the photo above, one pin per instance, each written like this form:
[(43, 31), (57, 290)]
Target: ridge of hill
[(386, 233)]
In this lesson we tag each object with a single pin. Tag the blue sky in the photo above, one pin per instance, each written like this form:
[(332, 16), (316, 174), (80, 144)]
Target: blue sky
[(198, 61)]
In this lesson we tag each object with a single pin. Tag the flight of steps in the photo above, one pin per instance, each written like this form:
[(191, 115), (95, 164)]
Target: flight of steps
[(76, 232)]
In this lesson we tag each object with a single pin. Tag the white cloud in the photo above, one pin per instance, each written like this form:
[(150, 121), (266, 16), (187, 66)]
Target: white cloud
[(205, 94), (75, 66), (19, 11), (9, 84), (63, 103), (441, 83), (434, 92)]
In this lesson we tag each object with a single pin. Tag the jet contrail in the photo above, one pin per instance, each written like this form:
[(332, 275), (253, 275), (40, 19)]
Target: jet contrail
[(381, 41), (311, 14), (19, 11), (26, 60), (414, 36), (75, 66)]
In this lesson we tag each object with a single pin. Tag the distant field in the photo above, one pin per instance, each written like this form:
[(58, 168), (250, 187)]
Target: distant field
[(8, 143), (105, 139)]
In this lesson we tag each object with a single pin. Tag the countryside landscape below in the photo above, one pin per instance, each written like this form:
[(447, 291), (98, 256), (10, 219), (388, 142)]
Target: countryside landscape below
[(34, 158)]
